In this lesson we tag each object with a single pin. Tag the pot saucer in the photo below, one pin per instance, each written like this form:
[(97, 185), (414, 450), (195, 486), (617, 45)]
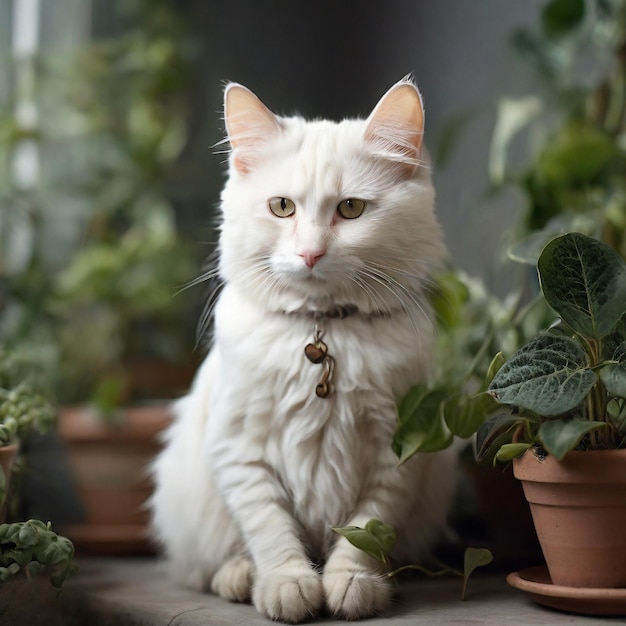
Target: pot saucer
[(535, 581)]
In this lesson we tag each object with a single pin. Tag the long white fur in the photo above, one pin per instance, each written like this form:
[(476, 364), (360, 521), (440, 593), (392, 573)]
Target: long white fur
[(256, 468)]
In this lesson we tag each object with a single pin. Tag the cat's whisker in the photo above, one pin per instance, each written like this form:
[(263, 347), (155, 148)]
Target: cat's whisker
[(397, 293), (384, 272), (207, 315), (202, 278), (403, 265), (423, 282), (379, 303), (223, 145), (258, 277), (401, 292)]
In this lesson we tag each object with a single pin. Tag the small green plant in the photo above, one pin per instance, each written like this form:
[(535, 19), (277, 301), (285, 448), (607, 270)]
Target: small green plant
[(429, 418), (378, 540), (23, 408), (473, 325), (566, 388), (29, 548)]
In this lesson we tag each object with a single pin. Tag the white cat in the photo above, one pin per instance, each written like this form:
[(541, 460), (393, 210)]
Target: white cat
[(328, 238)]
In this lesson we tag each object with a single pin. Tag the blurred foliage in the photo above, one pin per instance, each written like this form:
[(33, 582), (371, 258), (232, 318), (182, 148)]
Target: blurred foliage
[(573, 177), (90, 257), (572, 135), (24, 406), (574, 131)]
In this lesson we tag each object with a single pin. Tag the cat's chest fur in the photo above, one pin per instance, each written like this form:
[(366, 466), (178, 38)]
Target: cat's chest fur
[(319, 449)]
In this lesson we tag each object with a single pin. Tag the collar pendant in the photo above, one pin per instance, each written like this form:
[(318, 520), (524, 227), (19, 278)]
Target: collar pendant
[(317, 352)]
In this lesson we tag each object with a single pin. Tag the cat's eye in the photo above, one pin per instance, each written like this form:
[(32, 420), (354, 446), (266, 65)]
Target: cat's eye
[(282, 207), (351, 208)]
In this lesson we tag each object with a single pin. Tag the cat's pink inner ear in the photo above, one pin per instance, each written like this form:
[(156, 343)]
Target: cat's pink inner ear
[(249, 124), (395, 127)]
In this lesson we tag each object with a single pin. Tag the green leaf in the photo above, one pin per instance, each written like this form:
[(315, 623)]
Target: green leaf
[(512, 117), (560, 17), (490, 431), (464, 414), (510, 451), (560, 436), (384, 533), (560, 166), (22, 556), (58, 577), (613, 375), (494, 367), (377, 538), (28, 535), (449, 297), (421, 425), (528, 249), (474, 558), (584, 281), (33, 569), (411, 401), (548, 376)]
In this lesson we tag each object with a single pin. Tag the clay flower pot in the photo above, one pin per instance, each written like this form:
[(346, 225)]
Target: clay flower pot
[(109, 465), (579, 511)]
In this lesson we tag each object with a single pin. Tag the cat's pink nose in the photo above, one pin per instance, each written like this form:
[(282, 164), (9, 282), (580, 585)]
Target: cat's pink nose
[(311, 258)]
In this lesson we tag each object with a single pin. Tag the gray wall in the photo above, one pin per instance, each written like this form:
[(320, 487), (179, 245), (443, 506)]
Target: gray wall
[(335, 58), (330, 58)]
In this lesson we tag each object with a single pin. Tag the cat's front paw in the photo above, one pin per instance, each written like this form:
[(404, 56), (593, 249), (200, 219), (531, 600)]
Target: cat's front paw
[(354, 593), (289, 594), (233, 580)]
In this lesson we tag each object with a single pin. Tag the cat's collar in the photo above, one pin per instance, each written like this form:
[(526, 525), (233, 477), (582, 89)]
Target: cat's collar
[(338, 311)]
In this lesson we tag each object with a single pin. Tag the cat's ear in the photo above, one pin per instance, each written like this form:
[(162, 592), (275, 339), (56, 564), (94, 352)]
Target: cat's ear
[(249, 124), (395, 127)]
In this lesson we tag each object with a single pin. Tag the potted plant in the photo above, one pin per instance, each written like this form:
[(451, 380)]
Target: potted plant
[(114, 305), (537, 149), (92, 257), (29, 547), (565, 422), (121, 333), (23, 410), (472, 325)]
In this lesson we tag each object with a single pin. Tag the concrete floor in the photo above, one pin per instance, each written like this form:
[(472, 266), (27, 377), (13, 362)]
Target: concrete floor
[(137, 592)]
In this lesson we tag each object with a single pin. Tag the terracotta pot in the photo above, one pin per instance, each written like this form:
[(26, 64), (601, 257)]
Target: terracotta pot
[(579, 511), (109, 467), (8, 454), (169, 380)]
